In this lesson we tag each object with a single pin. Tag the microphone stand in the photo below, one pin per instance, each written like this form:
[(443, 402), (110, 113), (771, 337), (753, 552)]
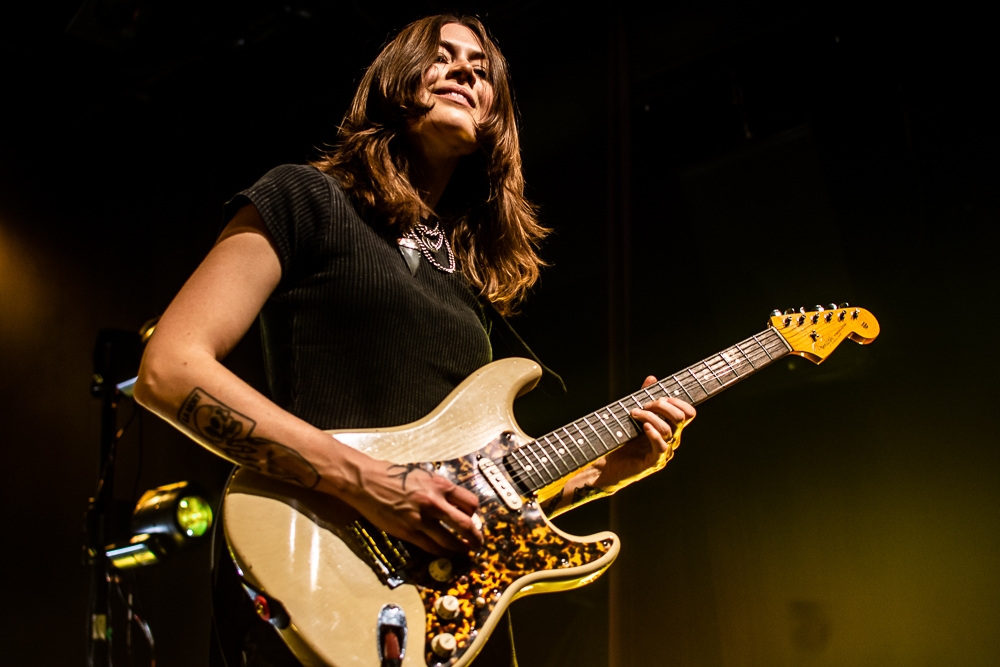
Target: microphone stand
[(116, 356)]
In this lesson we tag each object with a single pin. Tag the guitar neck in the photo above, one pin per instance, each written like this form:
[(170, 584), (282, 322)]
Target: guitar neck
[(553, 456)]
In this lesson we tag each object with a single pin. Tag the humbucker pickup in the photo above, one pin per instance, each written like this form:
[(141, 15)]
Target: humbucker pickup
[(500, 484)]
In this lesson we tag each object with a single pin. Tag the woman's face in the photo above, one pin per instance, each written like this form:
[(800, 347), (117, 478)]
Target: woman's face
[(456, 87)]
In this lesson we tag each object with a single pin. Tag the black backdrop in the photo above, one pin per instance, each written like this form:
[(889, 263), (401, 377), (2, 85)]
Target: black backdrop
[(700, 166)]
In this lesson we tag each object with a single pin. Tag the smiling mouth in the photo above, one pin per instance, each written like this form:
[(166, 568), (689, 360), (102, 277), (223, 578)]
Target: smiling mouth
[(455, 96)]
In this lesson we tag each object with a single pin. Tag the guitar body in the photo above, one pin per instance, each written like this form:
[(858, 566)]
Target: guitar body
[(334, 576)]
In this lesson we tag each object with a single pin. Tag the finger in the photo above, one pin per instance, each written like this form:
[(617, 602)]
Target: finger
[(685, 407), (659, 442), (662, 411), (648, 381), (465, 500), (425, 542), (442, 527), (457, 523), (656, 429)]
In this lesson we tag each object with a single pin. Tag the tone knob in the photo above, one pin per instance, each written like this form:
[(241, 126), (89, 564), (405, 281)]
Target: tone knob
[(440, 569), (443, 644), (447, 606)]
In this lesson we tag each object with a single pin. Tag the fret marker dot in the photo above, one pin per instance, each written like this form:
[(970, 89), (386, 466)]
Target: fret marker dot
[(677, 391), (607, 416), (580, 441), (618, 433), (561, 451), (544, 459), (527, 467)]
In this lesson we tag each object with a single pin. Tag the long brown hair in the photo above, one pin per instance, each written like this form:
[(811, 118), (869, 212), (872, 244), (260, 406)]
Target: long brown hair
[(493, 227)]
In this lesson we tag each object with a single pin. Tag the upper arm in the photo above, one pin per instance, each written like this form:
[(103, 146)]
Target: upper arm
[(220, 300)]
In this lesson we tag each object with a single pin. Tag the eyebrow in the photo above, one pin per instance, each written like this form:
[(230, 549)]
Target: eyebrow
[(473, 55)]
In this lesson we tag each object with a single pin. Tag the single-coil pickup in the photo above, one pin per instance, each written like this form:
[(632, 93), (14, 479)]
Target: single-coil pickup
[(500, 483)]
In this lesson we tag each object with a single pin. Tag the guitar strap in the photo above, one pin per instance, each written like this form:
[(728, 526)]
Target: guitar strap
[(510, 344)]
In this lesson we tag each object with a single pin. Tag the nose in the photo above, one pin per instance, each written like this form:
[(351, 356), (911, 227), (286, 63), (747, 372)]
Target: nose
[(461, 70)]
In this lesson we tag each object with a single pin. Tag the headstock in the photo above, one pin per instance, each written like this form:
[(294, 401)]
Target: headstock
[(816, 333)]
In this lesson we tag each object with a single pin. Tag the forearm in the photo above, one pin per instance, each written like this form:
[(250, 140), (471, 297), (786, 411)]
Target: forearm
[(577, 490), (191, 390)]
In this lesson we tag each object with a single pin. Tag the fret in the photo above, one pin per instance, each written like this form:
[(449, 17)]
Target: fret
[(712, 371), (725, 359), (541, 461), (749, 360), (603, 444), (568, 447), (586, 439), (691, 373), (762, 347), (557, 453), (525, 467), (607, 428), (681, 385), (629, 427)]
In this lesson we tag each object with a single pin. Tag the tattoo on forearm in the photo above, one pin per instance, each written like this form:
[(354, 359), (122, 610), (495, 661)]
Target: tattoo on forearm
[(554, 501), (232, 434), (584, 492), (404, 470)]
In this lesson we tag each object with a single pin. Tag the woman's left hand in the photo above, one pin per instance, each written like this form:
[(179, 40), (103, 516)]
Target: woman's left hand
[(661, 421)]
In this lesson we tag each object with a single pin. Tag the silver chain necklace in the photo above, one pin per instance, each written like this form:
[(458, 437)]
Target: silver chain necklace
[(428, 241)]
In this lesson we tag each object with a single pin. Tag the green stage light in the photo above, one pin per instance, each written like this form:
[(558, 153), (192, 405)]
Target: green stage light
[(194, 516), (165, 519)]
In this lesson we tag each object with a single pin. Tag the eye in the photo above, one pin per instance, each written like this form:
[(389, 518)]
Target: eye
[(480, 72)]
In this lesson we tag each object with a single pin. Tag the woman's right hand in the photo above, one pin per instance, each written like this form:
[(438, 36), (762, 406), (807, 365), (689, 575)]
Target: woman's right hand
[(411, 502)]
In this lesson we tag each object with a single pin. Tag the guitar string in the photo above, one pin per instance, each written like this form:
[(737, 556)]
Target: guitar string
[(767, 339)]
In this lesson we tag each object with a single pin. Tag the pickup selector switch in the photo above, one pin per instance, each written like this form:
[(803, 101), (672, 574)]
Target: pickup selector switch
[(447, 607)]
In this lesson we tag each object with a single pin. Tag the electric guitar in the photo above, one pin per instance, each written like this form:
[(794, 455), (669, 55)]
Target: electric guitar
[(342, 592)]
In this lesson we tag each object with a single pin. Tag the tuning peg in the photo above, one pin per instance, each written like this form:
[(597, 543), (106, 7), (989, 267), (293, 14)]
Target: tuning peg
[(775, 313), (790, 311), (844, 305), (831, 306), (818, 309), (802, 309)]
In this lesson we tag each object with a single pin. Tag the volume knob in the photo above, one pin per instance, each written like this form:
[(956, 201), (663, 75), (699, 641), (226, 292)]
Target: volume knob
[(443, 644), (447, 606)]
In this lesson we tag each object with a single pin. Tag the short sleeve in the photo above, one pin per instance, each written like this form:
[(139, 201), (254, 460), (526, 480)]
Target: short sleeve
[(295, 204)]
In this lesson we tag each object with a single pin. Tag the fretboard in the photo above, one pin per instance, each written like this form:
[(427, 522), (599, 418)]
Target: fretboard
[(541, 462)]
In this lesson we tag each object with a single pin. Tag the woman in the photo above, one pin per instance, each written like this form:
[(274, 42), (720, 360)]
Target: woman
[(370, 271)]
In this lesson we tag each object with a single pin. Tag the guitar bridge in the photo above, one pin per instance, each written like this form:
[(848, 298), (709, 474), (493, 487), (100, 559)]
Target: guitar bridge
[(385, 554)]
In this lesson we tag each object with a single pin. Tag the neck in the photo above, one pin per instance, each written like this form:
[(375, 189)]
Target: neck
[(541, 462), (430, 173)]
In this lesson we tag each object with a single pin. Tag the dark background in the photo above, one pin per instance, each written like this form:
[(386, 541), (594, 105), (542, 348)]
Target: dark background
[(699, 165)]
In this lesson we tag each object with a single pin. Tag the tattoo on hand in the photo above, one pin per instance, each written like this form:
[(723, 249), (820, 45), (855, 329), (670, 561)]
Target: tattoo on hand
[(405, 469), (232, 433)]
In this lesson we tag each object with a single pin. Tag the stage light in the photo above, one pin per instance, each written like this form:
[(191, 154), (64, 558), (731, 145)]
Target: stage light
[(165, 519)]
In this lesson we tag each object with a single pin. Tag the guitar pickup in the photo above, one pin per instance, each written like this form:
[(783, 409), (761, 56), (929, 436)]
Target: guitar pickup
[(501, 485)]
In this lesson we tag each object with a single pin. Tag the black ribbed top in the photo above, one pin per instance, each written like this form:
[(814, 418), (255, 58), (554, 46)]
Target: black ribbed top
[(351, 338)]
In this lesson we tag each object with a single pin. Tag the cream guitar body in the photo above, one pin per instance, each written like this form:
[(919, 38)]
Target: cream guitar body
[(307, 550), (342, 592)]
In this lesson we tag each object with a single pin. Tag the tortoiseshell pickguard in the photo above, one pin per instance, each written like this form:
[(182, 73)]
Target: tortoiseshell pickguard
[(516, 543)]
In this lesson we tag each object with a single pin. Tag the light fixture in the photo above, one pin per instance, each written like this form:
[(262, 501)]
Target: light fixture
[(165, 519)]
